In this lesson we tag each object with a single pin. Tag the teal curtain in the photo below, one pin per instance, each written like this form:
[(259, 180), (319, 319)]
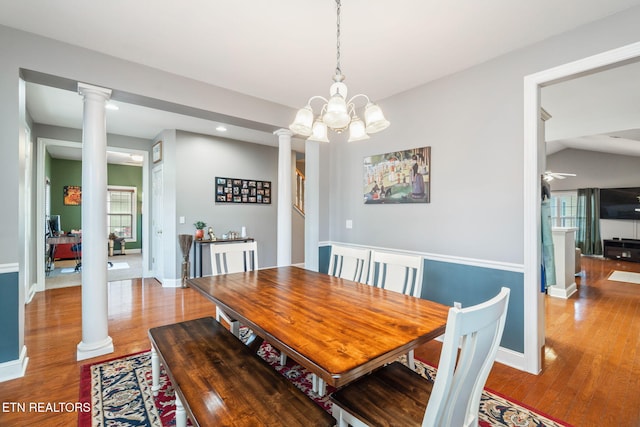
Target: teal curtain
[(588, 221)]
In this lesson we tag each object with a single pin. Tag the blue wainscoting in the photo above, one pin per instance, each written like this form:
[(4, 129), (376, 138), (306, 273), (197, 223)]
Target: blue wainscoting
[(446, 282), (9, 303)]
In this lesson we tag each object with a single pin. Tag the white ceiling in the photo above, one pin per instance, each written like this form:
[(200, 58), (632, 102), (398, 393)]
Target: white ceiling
[(284, 51)]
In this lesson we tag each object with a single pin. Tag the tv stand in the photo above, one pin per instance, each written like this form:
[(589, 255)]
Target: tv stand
[(622, 249)]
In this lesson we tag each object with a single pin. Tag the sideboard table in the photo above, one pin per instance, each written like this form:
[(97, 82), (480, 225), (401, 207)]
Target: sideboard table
[(197, 245)]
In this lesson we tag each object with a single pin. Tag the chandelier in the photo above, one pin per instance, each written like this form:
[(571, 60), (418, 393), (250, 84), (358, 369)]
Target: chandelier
[(337, 113)]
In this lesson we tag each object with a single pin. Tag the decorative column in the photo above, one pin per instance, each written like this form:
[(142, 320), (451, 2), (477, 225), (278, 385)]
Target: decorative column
[(284, 197), (312, 205), (564, 242), (95, 334)]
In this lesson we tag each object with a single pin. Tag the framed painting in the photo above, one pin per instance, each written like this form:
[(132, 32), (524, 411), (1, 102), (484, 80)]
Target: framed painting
[(156, 152), (398, 177), (72, 195), (234, 190)]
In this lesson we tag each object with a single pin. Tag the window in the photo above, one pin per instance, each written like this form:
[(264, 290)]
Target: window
[(564, 208), (121, 212)]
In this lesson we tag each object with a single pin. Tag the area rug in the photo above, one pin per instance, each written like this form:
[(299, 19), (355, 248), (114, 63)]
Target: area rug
[(625, 276), (119, 391)]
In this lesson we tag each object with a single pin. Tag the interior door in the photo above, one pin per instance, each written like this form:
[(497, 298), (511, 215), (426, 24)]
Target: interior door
[(157, 266)]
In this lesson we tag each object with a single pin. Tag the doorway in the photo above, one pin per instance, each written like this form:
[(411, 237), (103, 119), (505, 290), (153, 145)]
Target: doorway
[(72, 151), (534, 153)]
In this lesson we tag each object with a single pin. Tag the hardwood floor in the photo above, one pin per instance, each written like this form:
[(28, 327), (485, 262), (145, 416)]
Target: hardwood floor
[(591, 373)]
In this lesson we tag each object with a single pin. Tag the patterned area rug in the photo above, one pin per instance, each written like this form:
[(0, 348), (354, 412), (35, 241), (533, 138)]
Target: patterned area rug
[(120, 394)]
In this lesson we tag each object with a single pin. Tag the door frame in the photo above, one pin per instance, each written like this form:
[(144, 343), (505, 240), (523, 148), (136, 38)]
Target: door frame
[(534, 152), (42, 143)]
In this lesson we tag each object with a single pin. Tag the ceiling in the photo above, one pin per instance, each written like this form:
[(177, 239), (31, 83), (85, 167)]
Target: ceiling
[(285, 51)]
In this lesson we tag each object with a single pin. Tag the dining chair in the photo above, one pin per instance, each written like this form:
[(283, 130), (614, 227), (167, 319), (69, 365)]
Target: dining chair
[(400, 273), (349, 263), (397, 395), (227, 258)]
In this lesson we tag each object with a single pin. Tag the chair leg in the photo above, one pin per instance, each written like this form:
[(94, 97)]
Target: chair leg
[(283, 358), (318, 385), (155, 371), (181, 414), (411, 363)]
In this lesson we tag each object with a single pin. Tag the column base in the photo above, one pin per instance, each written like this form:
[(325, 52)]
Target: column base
[(14, 368), (565, 293), (87, 351)]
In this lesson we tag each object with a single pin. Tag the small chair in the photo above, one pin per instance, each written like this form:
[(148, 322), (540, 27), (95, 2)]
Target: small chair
[(229, 258), (77, 255), (349, 263), (399, 273), (396, 395)]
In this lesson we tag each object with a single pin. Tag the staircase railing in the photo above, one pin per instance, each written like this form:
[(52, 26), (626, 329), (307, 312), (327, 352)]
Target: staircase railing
[(299, 197)]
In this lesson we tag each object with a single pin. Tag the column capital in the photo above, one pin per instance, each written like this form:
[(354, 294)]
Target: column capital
[(86, 89), (283, 132)]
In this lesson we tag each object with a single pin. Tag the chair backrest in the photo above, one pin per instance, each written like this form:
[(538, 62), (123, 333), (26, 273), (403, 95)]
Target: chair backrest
[(455, 399), (349, 263), (233, 257), (396, 272)]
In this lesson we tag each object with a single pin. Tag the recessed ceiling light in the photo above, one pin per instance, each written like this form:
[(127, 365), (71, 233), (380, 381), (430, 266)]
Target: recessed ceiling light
[(221, 128), (111, 106)]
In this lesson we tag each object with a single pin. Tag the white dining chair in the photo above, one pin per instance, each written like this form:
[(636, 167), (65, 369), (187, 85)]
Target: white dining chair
[(229, 258), (349, 263), (400, 273), (396, 395)]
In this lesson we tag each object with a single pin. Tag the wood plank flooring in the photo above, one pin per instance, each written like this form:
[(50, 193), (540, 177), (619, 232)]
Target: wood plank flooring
[(591, 373)]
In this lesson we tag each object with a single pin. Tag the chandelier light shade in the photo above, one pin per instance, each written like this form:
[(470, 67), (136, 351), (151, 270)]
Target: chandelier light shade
[(337, 113)]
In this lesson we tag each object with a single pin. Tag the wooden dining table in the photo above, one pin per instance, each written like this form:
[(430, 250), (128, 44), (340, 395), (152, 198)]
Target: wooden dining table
[(338, 329)]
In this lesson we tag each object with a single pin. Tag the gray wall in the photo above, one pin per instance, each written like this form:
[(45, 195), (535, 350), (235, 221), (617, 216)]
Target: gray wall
[(473, 120), (599, 170), (200, 159)]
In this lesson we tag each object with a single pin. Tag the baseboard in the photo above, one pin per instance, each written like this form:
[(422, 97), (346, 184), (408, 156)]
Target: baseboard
[(14, 368), (171, 283)]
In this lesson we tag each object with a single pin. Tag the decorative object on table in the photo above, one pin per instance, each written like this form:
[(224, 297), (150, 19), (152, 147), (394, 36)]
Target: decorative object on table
[(234, 190), (185, 241), (398, 177), (243, 232), (211, 235), (199, 225), (156, 152), (337, 113), (72, 195)]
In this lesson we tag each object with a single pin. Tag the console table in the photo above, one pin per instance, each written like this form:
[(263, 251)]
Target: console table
[(197, 247), (623, 249)]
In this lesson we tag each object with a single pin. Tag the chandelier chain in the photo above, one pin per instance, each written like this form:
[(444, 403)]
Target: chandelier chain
[(338, 70)]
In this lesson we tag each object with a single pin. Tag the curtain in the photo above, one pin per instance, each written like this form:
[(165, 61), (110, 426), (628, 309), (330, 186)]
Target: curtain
[(588, 221), (548, 256)]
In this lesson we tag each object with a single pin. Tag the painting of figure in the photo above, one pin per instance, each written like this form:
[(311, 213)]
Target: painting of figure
[(398, 177)]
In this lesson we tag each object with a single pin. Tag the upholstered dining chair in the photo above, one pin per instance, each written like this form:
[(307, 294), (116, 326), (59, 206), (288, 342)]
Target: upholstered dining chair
[(400, 273), (396, 395), (229, 258), (349, 263)]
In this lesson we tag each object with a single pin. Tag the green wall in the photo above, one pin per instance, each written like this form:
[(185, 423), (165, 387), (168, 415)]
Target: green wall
[(69, 172)]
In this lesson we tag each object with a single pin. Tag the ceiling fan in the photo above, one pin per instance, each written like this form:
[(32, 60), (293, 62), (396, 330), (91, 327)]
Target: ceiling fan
[(549, 176)]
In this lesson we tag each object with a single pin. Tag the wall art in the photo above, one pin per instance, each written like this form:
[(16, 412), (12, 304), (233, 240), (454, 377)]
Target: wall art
[(72, 195), (235, 190), (398, 177)]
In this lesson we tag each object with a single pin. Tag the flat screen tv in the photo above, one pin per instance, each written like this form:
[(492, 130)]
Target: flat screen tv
[(620, 203)]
